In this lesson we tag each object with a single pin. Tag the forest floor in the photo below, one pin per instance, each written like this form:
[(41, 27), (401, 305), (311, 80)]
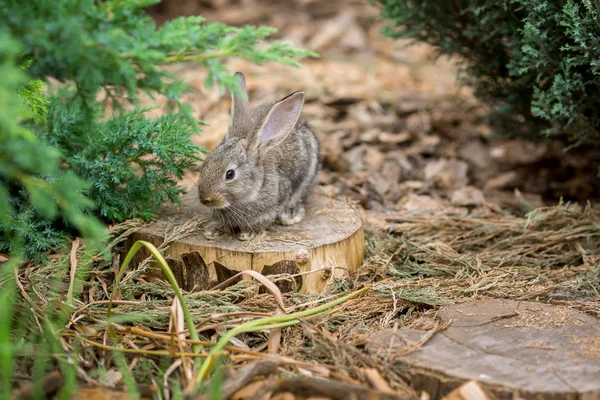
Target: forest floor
[(446, 204), (398, 132)]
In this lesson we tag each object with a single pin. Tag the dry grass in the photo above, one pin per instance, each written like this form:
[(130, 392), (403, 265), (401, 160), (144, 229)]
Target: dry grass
[(430, 261)]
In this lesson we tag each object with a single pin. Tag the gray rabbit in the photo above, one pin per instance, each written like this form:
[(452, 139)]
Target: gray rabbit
[(263, 171)]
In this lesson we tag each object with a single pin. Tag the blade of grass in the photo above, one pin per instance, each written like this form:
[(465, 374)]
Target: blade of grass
[(163, 353), (275, 334), (73, 262), (170, 278), (270, 286), (269, 322), (8, 294)]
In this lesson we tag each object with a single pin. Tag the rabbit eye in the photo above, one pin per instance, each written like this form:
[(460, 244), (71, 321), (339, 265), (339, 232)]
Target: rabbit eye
[(229, 175)]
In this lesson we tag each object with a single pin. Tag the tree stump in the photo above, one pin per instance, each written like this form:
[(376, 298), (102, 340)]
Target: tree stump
[(535, 350), (329, 242)]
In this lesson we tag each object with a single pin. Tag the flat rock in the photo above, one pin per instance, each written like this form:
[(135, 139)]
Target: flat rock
[(535, 349)]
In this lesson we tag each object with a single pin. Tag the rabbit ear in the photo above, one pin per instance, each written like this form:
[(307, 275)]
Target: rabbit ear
[(281, 119), (240, 107)]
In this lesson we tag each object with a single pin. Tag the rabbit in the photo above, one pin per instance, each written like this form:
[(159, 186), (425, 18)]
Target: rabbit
[(264, 169)]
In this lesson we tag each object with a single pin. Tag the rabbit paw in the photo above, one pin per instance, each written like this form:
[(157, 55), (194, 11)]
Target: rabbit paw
[(213, 230), (292, 216), (249, 235)]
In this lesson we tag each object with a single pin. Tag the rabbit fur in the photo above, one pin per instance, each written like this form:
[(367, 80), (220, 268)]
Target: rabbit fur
[(274, 156)]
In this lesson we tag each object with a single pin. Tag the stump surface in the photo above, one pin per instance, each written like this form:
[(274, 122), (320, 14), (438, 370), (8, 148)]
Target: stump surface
[(328, 242), (540, 350)]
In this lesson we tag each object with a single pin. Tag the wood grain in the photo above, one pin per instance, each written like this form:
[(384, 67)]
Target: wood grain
[(328, 243)]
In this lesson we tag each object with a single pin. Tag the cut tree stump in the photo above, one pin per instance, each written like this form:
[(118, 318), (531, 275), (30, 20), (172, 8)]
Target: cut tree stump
[(534, 349), (329, 242)]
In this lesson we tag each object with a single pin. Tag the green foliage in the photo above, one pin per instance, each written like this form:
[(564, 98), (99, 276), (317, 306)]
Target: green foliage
[(68, 161), (33, 189), (32, 97), (535, 61), (126, 157)]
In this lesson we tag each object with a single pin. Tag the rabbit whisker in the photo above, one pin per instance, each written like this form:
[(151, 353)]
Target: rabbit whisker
[(241, 217)]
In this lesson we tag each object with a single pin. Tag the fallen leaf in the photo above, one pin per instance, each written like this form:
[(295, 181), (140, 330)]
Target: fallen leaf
[(355, 157), (477, 154), (519, 152), (408, 168), (394, 138), (419, 122), (410, 102), (420, 203), (330, 31), (379, 183), (425, 145), (509, 199), (354, 37), (391, 170), (467, 196), (502, 181), (333, 152), (369, 136), (373, 158), (447, 173)]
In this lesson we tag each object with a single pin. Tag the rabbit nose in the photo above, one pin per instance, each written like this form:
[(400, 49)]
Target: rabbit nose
[(206, 200), (210, 199)]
